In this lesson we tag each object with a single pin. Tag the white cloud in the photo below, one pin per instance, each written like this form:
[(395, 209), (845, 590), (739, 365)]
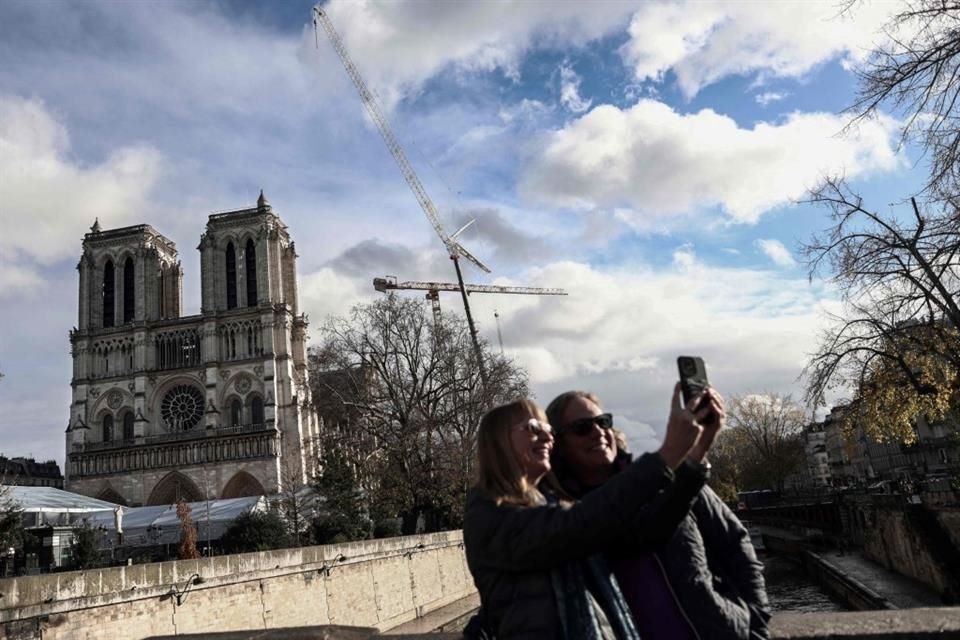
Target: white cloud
[(570, 90), (775, 250), (768, 97), (51, 197), (398, 45), (661, 163), (704, 41), (620, 330)]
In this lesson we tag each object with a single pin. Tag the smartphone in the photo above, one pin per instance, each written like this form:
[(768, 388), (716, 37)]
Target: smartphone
[(693, 377)]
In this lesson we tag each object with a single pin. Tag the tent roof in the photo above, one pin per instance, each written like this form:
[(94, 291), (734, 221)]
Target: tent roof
[(52, 500)]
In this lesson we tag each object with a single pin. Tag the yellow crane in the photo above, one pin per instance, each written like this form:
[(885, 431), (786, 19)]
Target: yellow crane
[(433, 290)]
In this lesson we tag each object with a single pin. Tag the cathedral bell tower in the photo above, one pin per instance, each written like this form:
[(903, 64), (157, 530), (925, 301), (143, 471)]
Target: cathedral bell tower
[(215, 405)]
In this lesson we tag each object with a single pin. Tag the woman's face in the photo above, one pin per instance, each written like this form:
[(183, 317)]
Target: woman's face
[(532, 441), (590, 451)]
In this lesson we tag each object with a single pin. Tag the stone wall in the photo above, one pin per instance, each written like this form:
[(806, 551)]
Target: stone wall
[(891, 541), (949, 518), (377, 583)]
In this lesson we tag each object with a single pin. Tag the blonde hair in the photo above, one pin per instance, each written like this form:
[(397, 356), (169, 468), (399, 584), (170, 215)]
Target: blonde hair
[(500, 476)]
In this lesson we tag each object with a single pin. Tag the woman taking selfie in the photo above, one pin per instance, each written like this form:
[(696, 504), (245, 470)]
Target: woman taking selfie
[(705, 581), (525, 541)]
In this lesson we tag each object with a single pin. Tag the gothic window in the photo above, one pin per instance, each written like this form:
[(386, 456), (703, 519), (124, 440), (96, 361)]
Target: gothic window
[(108, 294), (250, 269), (107, 428), (129, 300), (176, 349), (182, 408), (231, 277), (256, 410), (235, 410), (128, 425)]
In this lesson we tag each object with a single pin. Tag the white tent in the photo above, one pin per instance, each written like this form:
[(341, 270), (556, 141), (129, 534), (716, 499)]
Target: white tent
[(49, 506), (155, 525)]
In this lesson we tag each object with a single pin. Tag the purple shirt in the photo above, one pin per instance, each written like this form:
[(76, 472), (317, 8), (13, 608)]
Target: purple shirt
[(654, 608)]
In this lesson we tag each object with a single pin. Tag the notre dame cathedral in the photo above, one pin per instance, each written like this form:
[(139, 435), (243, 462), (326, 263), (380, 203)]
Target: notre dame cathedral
[(215, 405)]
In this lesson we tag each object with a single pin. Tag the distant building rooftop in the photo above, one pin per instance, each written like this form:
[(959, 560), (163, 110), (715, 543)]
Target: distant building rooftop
[(29, 472)]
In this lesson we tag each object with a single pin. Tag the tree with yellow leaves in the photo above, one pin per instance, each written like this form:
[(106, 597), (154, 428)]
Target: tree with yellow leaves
[(895, 347)]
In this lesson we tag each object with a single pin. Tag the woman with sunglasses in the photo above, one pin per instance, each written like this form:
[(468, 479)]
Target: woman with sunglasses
[(527, 545), (705, 581)]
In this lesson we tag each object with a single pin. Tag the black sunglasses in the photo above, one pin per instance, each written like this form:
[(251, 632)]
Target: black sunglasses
[(583, 426)]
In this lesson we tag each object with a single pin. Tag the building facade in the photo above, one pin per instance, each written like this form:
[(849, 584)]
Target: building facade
[(27, 472), (215, 405)]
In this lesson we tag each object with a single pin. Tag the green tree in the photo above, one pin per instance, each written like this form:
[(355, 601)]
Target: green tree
[(85, 547), (255, 531), (342, 515), (11, 520)]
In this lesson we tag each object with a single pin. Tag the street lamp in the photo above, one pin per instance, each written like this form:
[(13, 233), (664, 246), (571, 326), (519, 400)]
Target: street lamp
[(181, 593)]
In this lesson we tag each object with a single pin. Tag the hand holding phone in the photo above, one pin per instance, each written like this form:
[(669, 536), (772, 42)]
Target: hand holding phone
[(693, 378), (693, 383)]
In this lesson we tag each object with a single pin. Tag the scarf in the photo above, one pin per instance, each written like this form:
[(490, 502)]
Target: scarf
[(580, 586)]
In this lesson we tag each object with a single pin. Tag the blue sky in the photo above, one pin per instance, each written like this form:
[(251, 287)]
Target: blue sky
[(648, 157)]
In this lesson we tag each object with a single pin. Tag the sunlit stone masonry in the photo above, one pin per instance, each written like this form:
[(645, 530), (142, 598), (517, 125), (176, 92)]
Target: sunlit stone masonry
[(214, 405)]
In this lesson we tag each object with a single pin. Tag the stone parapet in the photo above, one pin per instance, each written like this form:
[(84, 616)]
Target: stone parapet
[(378, 583)]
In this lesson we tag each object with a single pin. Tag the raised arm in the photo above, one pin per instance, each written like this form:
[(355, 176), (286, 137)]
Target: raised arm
[(642, 503)]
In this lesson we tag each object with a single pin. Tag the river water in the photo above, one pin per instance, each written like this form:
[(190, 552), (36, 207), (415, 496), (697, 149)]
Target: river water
[(790, 590)]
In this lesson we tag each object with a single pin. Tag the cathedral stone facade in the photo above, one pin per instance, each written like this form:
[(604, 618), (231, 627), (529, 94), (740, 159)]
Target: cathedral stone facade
[(215, 405)]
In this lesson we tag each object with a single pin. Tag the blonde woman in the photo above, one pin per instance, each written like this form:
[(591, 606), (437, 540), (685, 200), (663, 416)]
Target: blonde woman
[(532, 552)]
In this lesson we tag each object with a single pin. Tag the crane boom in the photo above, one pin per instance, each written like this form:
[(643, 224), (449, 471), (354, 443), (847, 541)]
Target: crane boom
[(390, 282), (366, 96)]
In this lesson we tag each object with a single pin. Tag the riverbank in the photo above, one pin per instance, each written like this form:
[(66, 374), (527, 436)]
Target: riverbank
[(858, 583)]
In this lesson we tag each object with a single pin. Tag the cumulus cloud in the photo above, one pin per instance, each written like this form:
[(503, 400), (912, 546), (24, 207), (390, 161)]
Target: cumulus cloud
[(620, 330), (56, 196), (775, 250), (400, 45), (659, 163), (570, 90), (704, 41)]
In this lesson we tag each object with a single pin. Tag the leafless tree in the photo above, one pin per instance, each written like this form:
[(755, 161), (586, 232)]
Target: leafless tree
[(916, 72), (296, 503), (895, 344), (769, 441), (406, 394)]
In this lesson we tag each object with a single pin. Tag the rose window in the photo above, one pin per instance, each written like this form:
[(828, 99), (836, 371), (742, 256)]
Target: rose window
[(182, 408)]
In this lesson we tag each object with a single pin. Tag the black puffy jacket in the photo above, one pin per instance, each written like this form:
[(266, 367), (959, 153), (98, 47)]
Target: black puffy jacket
[(511, 550), (714, 573), (710, 567)]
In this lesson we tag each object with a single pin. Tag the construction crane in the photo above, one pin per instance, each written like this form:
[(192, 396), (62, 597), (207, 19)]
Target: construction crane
[(453, 246), (433, 290)]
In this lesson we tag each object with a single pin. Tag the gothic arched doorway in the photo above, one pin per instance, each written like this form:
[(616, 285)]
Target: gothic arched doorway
[(241, 485), (172, 488)]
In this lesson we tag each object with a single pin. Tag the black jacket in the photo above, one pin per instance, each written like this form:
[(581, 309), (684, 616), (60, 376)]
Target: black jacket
[(710, 567), (511, 550), (714, 573)]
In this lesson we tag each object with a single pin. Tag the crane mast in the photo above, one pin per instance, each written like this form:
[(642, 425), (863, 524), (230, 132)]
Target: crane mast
[(454, 248)]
